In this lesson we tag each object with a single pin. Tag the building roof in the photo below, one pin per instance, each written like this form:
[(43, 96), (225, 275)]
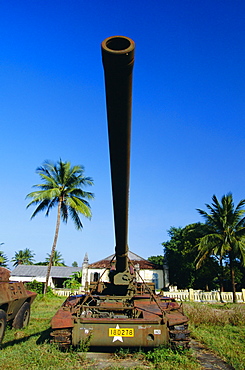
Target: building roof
[(41, 271), (134, 258)]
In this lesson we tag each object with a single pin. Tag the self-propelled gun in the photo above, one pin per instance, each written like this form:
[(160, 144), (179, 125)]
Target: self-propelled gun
[(125, 311)]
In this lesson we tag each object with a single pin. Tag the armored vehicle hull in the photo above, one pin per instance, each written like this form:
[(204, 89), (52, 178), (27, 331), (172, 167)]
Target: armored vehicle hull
[(15, 302), (144, 321)]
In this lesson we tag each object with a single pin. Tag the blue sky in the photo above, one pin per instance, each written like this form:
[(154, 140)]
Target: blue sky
[(187, 123)]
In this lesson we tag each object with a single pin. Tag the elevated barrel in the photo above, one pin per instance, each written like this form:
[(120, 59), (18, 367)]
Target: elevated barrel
[(118, 61)]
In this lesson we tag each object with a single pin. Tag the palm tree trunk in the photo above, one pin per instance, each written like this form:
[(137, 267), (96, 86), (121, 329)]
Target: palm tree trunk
[(221, 279), (53, 248), (232, 272)]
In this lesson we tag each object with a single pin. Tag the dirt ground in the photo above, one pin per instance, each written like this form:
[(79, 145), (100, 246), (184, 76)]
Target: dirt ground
[(99, 360), (207, 359)]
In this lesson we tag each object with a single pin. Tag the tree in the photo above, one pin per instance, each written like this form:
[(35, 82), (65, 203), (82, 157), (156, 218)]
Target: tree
[(62, 186), (180, 253), (74, 264), (179, 258), (74, 282), (57, 259), (3, 259), (227, 233), (23, 257), (158, 260)]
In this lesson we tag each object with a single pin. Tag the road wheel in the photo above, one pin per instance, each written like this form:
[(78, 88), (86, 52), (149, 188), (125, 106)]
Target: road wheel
[(3, 321), (23, 316)]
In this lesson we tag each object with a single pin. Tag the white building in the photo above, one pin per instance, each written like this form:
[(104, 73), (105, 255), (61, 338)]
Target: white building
[(58, 274), (147, 271)]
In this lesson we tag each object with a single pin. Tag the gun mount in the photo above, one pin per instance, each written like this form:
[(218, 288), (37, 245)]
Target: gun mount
[(121, 312)]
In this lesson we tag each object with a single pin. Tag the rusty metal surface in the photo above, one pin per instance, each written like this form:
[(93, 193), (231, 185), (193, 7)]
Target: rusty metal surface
[(4, 274), (14, 290), (90, 320), (12, 296), (62, 319)]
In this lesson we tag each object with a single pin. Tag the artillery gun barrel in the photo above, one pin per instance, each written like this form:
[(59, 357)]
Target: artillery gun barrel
[(94, 317), (118, 61)]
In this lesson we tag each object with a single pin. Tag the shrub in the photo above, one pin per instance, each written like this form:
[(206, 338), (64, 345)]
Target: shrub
[(36, 286)]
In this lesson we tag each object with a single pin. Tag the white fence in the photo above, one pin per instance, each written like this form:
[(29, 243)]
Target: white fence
[(179, 295), (63, 292), (200, 296)]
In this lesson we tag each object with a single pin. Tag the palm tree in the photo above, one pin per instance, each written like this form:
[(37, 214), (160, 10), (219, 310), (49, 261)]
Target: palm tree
[(62, 187), (74, 282), (23, 257), (227, 235), (3, 259), (57, 259)]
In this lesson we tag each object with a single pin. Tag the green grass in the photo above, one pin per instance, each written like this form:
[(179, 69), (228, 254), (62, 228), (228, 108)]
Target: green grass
[(228, 341), (162, 358), (222, 328), (29, 347), (167, 359)]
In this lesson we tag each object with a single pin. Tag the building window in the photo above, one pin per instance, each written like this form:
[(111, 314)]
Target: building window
[(155, 280), (96, 276)]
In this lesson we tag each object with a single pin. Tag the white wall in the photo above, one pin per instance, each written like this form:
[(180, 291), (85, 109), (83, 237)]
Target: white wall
[(28, 279), (148, 276)]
